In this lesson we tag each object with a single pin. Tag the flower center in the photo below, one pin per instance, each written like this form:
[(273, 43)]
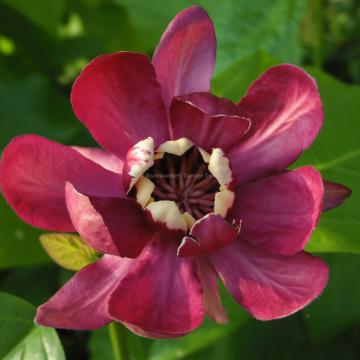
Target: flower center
[(186, 180), (178, 183)]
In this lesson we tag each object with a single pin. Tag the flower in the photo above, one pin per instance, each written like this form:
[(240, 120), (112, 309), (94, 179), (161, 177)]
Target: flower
[(187, 187)]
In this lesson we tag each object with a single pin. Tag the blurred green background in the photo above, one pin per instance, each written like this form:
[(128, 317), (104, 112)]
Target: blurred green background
[(43, 47)]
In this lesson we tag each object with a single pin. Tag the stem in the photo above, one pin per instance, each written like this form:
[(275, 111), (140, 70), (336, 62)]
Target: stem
[(118, 339)]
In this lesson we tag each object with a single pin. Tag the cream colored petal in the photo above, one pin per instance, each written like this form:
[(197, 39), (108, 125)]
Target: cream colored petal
[(223, 201), (205, 155), (219, 166), (144, 188), (158, 155), (190, 221), (167, 212), (177, 147)]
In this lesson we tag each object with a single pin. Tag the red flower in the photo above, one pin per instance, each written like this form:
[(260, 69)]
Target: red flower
[(188, 187)]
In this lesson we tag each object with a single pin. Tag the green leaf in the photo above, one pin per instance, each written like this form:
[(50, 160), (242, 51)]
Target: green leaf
[(100, 345), (43, 13), (20, 338), (233, 82), (279, 339), (32, 105), (338, 307), (18, 243), (107, 24), (41, 279), (245, 27), (68, 250)]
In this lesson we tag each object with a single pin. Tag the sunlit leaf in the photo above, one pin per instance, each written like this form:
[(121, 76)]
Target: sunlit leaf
[(68, 250)]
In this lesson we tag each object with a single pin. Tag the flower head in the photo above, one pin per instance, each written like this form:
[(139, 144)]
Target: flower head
[(186, 187)]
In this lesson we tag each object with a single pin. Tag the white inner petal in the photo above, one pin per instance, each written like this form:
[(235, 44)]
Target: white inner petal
[(219, 166)]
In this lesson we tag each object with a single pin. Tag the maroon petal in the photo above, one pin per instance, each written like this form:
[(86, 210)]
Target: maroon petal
[(190, 121), (33, 173), (212, 300), (334, 194), (162, 294), (270, 286), (279, 213), (286, 114), (211, 104), (102, 157), (185, 57), (110, 225), (119, 100), (209, 234), (82, 303)]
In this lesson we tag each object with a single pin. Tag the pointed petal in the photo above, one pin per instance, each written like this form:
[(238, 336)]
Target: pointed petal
[(334, 194), (279, 213), (270, 286), (33, 173), (162, 294), (286, 115), (81, 304), (102, 157), (118, 99), (211, 104), (185, 57), (110, 225), (208, 235), (212, 300), (207, 132)]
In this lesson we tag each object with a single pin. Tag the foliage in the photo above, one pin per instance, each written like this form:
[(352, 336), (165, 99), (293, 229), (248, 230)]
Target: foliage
[(68, 250)]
